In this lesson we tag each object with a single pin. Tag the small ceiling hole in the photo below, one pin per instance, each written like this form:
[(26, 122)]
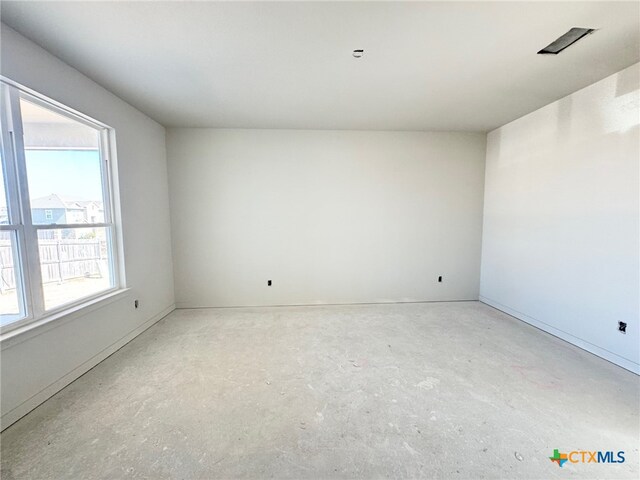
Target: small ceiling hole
[(358, 53), (566, 40)]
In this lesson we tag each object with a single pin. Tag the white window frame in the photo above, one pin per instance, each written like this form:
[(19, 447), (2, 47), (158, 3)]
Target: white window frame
[(26, 252)]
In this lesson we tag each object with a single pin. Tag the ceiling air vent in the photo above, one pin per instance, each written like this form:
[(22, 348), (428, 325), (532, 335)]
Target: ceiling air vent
[(566, 40)]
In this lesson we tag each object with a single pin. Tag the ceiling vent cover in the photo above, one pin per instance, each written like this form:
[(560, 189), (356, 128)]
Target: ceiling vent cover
[(566, 40)]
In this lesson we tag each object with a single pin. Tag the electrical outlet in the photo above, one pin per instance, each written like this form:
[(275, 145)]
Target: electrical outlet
[(622, 327), (135, 304), (268, 283)]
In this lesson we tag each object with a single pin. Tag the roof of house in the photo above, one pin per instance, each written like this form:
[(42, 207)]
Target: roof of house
[(56, 201), (50, 201)]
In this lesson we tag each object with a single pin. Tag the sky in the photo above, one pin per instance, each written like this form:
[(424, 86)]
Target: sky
[(69, 173)]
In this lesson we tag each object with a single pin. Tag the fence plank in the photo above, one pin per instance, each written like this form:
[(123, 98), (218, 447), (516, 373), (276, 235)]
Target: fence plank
[(60, 260)]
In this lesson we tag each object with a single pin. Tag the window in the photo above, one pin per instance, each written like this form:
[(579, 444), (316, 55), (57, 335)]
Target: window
[(57, 232)]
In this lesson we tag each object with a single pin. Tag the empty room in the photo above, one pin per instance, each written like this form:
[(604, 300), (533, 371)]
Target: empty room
[(319, 240)]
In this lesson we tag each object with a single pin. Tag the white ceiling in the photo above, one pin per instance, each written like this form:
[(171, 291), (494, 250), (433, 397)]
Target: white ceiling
[(428, 65)]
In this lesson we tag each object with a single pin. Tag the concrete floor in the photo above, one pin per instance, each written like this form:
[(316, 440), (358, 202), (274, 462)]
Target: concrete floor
[(439, 390)]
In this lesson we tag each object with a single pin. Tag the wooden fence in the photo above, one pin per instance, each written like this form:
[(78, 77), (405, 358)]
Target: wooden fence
[(60, 259)]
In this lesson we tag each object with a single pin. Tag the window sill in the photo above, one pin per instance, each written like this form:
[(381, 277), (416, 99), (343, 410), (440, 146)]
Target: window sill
[(32, 329)]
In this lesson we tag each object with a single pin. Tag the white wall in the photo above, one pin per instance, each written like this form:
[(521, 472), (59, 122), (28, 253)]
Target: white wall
[(37, 364), (330, 217), (561, 218)]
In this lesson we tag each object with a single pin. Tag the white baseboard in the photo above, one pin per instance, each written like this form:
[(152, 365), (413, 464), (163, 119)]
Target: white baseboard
[(567, 337), (25, 407), (197, 306)]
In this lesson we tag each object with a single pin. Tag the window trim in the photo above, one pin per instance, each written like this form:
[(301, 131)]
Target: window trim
[(28, 270)]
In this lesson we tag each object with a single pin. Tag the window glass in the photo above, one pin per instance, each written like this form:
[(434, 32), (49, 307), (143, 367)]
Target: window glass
[(11, 288), (10, 308), (63, 167), (75, 263)]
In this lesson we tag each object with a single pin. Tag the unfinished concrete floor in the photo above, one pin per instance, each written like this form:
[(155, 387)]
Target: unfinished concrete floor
[(437, 390)]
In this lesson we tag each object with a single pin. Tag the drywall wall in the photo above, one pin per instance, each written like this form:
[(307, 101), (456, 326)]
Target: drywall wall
[(561, 218), (36, 364), (328, 216)]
